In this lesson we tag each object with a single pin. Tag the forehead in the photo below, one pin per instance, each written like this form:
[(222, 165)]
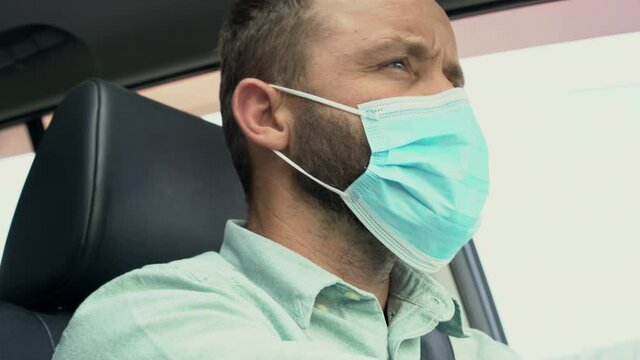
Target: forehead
[(359, 23)]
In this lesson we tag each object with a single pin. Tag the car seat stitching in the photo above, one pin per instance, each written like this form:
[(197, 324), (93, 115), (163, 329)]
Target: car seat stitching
[(46, 327)]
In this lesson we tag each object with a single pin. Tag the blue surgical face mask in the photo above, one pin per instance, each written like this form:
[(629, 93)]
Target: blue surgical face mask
[(427, 179)]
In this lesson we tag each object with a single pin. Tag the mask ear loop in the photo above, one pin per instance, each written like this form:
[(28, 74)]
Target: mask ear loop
[(295, 166), (318, 99)]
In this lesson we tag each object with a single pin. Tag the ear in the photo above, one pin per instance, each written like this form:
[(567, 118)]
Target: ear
[(260, 115)]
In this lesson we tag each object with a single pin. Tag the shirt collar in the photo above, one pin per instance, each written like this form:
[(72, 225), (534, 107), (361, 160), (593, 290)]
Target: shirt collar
[(413, 288), (290, 279), (294, 281)]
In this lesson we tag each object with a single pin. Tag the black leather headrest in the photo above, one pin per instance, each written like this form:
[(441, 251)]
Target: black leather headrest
[(118, 181)]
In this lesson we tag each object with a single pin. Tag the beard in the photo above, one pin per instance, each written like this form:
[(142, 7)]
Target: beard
[(329, 146)]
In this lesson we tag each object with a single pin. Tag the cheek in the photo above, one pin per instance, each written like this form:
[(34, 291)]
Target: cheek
[(359, 150), (360, 137)]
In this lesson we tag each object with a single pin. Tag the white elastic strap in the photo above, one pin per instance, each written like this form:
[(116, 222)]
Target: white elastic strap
[(295, 166), (318, 99)]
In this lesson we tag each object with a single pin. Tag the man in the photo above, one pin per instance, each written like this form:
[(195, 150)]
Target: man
[(352, 200)]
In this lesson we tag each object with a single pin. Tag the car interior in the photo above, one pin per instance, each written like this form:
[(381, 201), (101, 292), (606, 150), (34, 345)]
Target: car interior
[(119, 181)]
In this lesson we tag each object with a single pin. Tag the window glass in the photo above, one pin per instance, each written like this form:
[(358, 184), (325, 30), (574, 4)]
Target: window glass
[(545, 23), (197, 95), (559, 240), (14, 140), (46, 120), (16, 154), (14, 172)]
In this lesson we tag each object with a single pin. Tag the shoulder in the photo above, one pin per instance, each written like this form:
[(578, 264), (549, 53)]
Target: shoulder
[(206, 276), (161, 311), (478, 345)]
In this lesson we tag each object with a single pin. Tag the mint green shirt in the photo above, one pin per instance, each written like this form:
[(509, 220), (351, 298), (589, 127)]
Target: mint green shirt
[(259, 300)]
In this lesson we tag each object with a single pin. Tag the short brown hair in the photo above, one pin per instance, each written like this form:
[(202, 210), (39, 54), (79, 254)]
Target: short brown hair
[(262, 39)]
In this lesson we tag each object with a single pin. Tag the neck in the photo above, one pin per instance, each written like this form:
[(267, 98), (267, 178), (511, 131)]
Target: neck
[(332, 242)]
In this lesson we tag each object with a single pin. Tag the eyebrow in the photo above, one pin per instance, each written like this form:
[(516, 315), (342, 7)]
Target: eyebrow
[(410, 46), (414, 47)]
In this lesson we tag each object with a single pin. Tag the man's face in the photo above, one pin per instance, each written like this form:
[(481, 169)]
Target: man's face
[(368, 50)]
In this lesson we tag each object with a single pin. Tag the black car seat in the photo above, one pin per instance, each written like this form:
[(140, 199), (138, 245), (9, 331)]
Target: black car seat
[(118, 181)]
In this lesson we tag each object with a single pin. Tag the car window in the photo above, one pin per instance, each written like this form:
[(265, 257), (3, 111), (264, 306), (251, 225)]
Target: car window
[(559, 239), (556, 88), (14, 172)]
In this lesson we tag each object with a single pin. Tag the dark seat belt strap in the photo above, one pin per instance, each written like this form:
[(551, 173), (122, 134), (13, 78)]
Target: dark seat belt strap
[(436, 346)]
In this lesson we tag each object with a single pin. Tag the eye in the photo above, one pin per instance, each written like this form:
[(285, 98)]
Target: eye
[(400, 64)]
